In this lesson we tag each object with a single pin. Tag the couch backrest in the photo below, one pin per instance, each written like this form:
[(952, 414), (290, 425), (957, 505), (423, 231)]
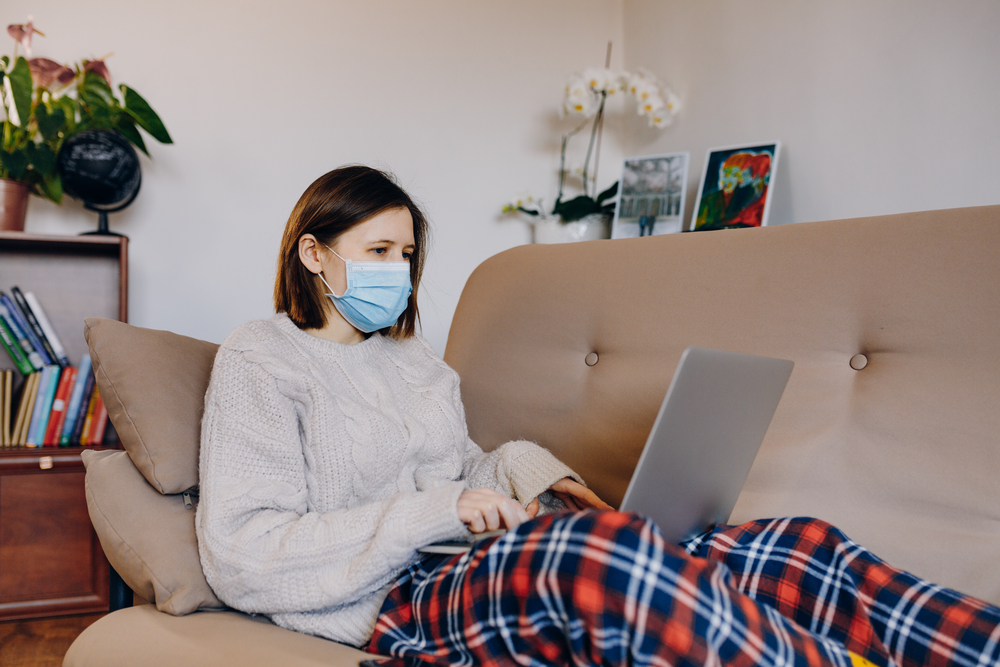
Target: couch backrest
[(904, 454)]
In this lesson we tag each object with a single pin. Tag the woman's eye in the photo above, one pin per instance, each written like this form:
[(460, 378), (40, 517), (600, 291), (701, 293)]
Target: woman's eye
[(406, 255), (378, 251)]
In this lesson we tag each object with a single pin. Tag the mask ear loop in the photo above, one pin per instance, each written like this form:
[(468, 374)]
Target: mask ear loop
[(320, 274)]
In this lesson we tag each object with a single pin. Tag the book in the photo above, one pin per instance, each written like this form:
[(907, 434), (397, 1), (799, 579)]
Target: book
[(43, 405), (22, 322), (50, 333), (14, 350), (25, 409), (89, 419), (21, 337), (81, 416), (75, 399), (57, 416), (29, 316), (6, 390), (99, 422)]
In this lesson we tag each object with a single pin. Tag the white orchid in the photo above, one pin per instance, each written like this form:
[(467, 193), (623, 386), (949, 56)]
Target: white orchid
[(650, 105), (586, 94), (585, 105), (661, 118), (673, 102), (601, 80)]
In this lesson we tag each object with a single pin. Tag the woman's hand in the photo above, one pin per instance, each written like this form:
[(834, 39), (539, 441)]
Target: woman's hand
[(575, 496), (485, 509)]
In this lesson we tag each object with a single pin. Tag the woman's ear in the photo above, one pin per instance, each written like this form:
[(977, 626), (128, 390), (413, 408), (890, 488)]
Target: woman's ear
[(309, 253)]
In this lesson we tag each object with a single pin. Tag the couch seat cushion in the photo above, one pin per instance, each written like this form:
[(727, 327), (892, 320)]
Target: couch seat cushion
[(143, 636)]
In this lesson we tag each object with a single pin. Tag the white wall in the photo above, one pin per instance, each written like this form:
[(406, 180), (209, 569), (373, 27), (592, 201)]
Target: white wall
[(883, 106), (457, 98)]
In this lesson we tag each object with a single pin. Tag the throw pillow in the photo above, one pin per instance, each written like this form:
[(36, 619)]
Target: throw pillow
[(148, 538), (153, 384)]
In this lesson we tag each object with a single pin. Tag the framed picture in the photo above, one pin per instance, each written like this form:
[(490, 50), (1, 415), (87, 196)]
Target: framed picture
[(651, 200), (735, 188)]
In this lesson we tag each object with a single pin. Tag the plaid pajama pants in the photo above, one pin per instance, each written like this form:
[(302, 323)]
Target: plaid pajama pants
[(603, 588)]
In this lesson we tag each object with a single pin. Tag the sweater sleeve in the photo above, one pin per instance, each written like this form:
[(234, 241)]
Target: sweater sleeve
[(519, 469), (262, 549)]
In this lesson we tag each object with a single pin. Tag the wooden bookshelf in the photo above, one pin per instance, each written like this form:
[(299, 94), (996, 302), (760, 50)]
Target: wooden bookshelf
[(51, 562)]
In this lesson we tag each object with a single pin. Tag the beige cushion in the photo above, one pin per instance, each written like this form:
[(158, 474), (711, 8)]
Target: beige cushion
[(149, 538), (153, 384), (903, 454), (143, 636)]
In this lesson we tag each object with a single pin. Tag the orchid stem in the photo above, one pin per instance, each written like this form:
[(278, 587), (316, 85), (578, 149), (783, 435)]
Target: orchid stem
[(593, 137)]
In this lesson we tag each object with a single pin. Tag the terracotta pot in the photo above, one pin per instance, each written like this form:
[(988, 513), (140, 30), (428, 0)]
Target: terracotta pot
[(13, 205), (552, 230)]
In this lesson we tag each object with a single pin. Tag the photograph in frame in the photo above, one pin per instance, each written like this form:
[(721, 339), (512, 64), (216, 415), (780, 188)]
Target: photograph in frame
[(651, 195), (736, 187)]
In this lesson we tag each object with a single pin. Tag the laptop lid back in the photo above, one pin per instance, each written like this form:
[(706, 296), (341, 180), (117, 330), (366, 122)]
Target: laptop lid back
[(705, 438)]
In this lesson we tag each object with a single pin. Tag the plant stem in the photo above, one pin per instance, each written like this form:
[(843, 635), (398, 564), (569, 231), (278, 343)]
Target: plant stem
[(562, 163), (593, 137)]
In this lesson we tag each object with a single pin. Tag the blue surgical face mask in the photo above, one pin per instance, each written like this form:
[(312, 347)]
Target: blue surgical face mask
[(376, 294)]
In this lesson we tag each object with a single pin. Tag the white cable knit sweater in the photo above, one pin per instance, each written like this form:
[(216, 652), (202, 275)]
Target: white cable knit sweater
[(324, 466)]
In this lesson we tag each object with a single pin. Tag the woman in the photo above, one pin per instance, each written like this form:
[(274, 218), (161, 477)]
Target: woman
[(334, 445)]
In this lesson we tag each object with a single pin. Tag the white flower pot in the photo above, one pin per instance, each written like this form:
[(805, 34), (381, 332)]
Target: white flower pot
[(551, 230)]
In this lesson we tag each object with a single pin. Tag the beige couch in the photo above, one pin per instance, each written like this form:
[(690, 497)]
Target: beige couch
[(889, 427)]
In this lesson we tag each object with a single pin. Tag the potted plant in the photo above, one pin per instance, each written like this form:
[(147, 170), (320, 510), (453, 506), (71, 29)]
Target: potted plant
[(586, 215), (45, 103)]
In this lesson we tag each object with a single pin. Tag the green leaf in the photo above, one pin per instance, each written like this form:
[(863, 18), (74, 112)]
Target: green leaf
[(52, 187), (576, 208), (20, 86), (50, 122), (607, 194), (96, 93), (125, 125), (15, 164), (144, 115), (5, 60), (41, 158)]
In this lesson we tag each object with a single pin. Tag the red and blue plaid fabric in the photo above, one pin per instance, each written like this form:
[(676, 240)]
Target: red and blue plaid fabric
[(813, 574), (602, 588)]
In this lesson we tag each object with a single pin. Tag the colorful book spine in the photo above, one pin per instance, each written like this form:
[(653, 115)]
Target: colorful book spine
[(57, 416), (81, 417), (22, 304), (36, 410), (22, 322), (25, 409), (6, 392), (14, 350), (75, 399), (43, 406), (99, 422), (89, 420), (50, 332), (22, 339)]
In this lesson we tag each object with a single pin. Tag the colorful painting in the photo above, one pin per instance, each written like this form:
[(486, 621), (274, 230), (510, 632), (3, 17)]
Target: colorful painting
[(736, 187), (652, 196)]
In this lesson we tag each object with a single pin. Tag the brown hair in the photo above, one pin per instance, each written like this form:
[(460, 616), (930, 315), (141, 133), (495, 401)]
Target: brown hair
[(334, 203)]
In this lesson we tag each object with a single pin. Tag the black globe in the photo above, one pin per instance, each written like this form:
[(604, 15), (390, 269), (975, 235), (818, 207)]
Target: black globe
[(100, 168)]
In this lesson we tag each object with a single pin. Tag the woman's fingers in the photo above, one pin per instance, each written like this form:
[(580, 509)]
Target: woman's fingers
[(582, 497), (532, 508), (485, 509)]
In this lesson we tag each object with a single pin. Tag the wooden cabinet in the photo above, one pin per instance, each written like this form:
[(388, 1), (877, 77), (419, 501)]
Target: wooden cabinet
[(51, 562)]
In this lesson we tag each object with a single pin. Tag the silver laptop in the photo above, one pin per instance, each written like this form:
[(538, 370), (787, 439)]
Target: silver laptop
[(704, 440)]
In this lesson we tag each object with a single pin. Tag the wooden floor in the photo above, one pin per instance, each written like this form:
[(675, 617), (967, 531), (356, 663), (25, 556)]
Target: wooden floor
[(40, 643)]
